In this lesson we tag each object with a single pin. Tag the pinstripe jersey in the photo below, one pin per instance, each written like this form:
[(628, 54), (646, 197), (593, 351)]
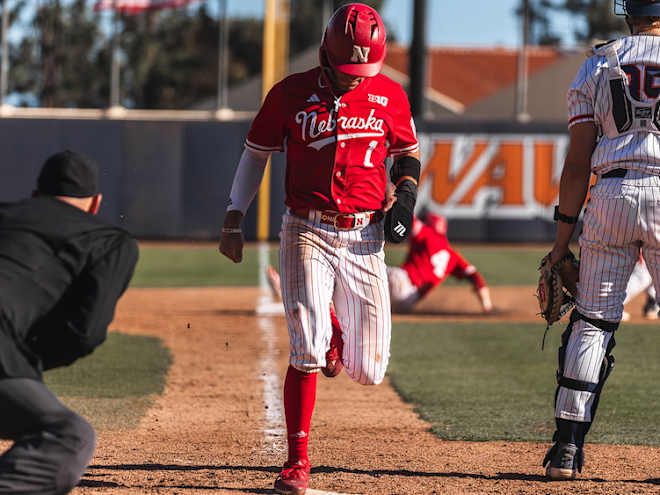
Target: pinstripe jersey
[(626, 116)]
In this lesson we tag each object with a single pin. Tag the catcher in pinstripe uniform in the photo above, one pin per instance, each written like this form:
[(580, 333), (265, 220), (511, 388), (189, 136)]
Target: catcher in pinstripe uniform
[(614, 122)]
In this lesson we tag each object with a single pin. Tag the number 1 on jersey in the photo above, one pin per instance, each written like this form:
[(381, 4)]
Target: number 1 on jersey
[(367, 155)]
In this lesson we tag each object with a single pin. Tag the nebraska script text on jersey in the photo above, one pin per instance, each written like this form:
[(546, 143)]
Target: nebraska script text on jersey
[(314, 128)]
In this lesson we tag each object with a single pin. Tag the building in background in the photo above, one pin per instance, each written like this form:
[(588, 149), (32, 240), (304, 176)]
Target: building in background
[(463, 83), (479, 83)]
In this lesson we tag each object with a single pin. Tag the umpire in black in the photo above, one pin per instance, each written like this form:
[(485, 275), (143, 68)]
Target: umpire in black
[(61, 273)]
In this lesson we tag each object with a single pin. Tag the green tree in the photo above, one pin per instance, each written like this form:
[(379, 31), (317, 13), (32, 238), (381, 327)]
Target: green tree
[(164, 58), (172, 56), (597, 16), (60, 64), (539, 26), (169, 57), (600, 23)]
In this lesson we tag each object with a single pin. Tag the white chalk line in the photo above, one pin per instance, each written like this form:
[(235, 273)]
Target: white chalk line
[(274, 429), (320, 492)]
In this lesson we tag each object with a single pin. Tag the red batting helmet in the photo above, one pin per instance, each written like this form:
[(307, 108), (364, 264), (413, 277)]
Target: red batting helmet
[(437, 222), (354, 40)]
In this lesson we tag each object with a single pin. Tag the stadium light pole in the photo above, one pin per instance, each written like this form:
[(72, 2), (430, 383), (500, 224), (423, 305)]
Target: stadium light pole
[(522, 84), (4, 60), (223, 56), (417, 60), (115, 68)]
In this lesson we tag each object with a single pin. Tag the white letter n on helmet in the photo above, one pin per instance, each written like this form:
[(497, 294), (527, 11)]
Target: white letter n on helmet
[(360, 54)]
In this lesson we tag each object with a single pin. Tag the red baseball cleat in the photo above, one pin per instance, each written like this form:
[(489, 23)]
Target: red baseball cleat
[(333, 364), (294, 478)]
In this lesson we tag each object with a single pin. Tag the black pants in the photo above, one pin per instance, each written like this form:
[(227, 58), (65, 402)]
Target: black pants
[(52, 444)]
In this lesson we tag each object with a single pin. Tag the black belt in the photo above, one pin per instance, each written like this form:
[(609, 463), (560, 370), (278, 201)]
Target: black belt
[(617, 172)]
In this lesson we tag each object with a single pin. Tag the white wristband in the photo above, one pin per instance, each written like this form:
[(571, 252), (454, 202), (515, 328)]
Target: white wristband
[(227, 230)]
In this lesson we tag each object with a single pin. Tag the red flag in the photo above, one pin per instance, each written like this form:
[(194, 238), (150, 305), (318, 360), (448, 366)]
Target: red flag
[(137, 6)]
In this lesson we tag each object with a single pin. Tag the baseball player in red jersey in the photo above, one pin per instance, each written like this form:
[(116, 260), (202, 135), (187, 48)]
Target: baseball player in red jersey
[(337, 124), (430, 260)]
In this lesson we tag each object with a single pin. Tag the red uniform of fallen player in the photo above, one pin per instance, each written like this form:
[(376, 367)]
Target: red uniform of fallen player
[(430, 260)]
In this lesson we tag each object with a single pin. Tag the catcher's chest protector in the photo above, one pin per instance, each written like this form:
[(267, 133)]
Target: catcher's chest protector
[(629, 110)]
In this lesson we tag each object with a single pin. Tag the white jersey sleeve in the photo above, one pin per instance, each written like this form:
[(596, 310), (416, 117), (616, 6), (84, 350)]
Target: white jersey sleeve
[(581, 94)]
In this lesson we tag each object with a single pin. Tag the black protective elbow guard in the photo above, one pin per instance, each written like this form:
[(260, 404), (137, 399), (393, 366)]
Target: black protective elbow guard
[(405, 166)]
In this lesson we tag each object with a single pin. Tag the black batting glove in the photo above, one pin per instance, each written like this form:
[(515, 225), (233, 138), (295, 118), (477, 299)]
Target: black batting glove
[(399, 218)]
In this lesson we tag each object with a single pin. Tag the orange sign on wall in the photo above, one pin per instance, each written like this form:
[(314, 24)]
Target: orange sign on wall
[(496, 175)]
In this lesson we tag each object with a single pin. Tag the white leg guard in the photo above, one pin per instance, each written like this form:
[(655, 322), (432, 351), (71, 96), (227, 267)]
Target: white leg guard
[(584, 364)]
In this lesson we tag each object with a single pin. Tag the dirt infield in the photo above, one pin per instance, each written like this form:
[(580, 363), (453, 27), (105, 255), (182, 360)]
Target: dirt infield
[(217, 427)]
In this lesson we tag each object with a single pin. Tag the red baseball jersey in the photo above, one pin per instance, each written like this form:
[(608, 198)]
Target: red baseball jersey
[(335, 146), (431, 259)]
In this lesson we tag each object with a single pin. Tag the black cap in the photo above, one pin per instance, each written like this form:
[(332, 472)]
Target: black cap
[(69, 174)]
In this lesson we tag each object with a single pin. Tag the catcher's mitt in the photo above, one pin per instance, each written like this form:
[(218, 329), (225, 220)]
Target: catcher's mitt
[(557, 288)]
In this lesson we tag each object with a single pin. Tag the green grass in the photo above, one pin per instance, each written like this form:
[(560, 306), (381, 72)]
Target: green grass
[(196, 266), (480, 382), (116, 384), (499, 265)]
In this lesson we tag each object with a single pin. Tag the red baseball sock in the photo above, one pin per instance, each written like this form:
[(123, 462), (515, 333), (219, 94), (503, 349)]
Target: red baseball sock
[(337, 340), (299, 398), (336, 327)]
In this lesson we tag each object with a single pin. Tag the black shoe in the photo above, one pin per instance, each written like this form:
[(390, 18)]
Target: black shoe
[(650, 310), (563, 461)]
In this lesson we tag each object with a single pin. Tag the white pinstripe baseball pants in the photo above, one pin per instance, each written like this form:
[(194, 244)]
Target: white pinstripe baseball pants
[(623, 215), (320, 264)]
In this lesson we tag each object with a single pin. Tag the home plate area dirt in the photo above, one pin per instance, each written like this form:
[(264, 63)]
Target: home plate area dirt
[(218, 426)]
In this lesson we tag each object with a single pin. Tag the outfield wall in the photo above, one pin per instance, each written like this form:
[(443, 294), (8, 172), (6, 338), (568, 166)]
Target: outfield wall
[(171, 178), (494, 181)]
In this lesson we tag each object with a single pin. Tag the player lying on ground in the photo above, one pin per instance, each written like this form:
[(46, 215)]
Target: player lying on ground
[(614, 133), (337, 123), (430, 260), (61, 273), (640, 281)]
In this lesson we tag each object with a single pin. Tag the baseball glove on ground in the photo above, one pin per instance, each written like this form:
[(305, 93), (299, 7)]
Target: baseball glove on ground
[(557, 288)]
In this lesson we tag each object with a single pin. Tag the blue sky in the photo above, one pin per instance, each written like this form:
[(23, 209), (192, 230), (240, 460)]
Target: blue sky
[(476, 22), (450, 22)]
